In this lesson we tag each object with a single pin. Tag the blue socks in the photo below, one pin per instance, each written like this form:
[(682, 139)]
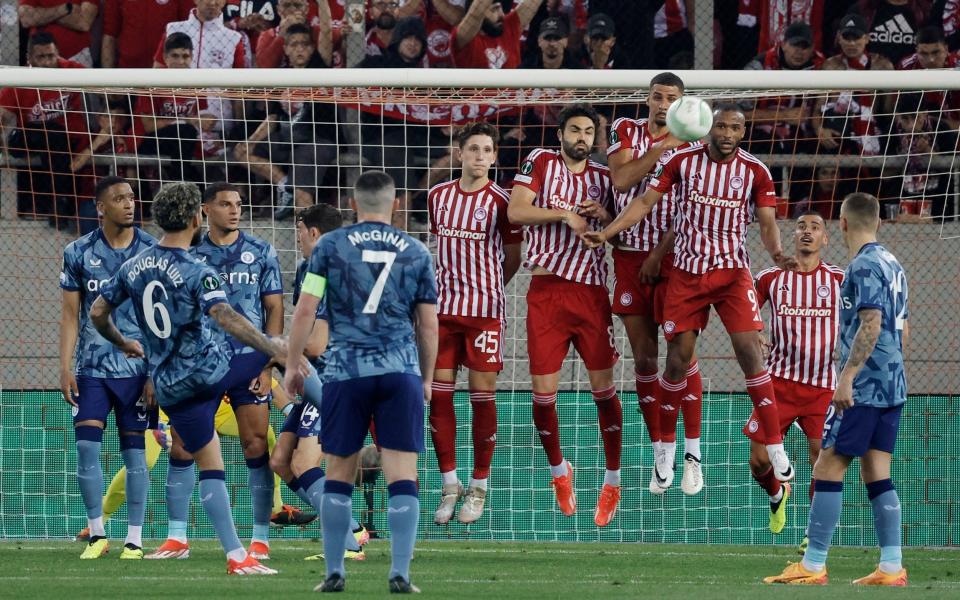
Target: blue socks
[(335, 519), (297, 488), (89, 471), (138, 477), (180, 481), (261, 495), (314, 480), (216, 503), (824, 516), (403, 517), (886, 521)]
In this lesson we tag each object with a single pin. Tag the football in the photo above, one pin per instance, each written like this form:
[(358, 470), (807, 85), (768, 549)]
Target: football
[(689, 118)]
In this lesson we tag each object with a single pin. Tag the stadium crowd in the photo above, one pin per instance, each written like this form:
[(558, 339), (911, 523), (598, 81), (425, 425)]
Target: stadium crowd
[(296, 153)]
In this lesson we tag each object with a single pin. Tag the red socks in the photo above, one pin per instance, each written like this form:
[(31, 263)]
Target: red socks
[(648, 396), (484, 431), (548, 427), (610, 418), (671, 398), (692, 405), (764, 401), (768, 482), (443, 425)]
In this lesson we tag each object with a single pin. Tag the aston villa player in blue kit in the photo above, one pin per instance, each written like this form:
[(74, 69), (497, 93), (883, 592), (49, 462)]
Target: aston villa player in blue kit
[(190, 360), (871, 390), (380, 292), (96, 377)]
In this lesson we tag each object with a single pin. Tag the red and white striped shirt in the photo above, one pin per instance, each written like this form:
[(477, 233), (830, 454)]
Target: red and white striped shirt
[(715, 203), (805, 313), (634, 134), (670, 19), (554, 246), (471, 229)]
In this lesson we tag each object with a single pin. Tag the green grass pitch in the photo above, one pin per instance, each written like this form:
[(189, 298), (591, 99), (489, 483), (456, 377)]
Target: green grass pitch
[(498, 570)]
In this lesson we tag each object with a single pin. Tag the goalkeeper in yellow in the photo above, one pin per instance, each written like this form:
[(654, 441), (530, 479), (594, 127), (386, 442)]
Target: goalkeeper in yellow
[(226, 424)]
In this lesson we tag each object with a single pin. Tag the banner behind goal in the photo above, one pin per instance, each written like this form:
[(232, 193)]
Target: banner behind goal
[(289, 146)]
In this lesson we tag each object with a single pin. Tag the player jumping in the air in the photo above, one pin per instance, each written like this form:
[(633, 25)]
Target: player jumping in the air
[(871, 390), (804, 312), (557, 196), (478, 252), (380, 292), (642, 262), (95, 377), (190, 362), (717, 186)]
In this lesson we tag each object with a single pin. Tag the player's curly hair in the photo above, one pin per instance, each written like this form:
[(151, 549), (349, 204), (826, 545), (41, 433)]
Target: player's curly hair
[(581, 109), (175, 205), (477, 128)]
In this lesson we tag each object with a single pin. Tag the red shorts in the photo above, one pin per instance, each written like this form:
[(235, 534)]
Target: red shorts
[(474, 342), (630, 295), (560, 312), (805, 404), (689, 298)]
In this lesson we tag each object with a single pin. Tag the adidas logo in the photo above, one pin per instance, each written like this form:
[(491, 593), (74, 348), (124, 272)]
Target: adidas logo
[(647, 400), (667, 407), (765, 402), (689, 398), (492, 359), (784, 288), (543, 432), (895, 31), (612, 429), (492, 438)]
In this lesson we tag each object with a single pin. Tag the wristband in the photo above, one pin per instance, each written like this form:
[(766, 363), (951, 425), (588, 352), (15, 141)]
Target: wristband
[(286, 410)]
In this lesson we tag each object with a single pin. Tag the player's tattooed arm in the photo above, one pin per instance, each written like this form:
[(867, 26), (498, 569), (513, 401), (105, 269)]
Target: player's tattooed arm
[(860, 350), (244, 331), (100, 317)]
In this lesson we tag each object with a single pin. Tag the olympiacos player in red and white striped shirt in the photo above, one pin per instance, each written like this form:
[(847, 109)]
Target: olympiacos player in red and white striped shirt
[(804, 312), (642, 263), (717, 186), (478, 252), (559, 195)]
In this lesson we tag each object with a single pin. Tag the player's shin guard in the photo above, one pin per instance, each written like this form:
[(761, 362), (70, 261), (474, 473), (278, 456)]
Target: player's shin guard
[(335, 520), (216, 503), (90, 475), (443, 425), (403, 517), (180, 481), (260, 479), (764, 401), (886, 521), (484, 431), (648, 395), (770, 484), (692, 407), (548, 426), (610, 418), (671, 399), (824, 516), (133, 449)]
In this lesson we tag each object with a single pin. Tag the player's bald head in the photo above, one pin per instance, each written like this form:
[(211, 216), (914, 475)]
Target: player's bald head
[(861, 212), (176, 205), (375, 192)]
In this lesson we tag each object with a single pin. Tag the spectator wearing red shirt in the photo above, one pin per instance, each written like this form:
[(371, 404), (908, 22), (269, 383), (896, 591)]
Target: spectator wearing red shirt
[(383, 14), (43, 125), (69, 23), (132, 30), (673, 41), (487, 38), (270, 44), (932, 53), (170, 125), (440, 17)]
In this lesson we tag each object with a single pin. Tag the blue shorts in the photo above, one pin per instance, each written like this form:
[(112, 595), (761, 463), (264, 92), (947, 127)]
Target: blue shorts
[(98, 395), (193, 418), (856, 430), (243, 368), (303, 421), (394, 401)]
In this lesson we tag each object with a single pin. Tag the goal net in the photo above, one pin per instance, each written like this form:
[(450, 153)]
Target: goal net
[(291, 140)]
